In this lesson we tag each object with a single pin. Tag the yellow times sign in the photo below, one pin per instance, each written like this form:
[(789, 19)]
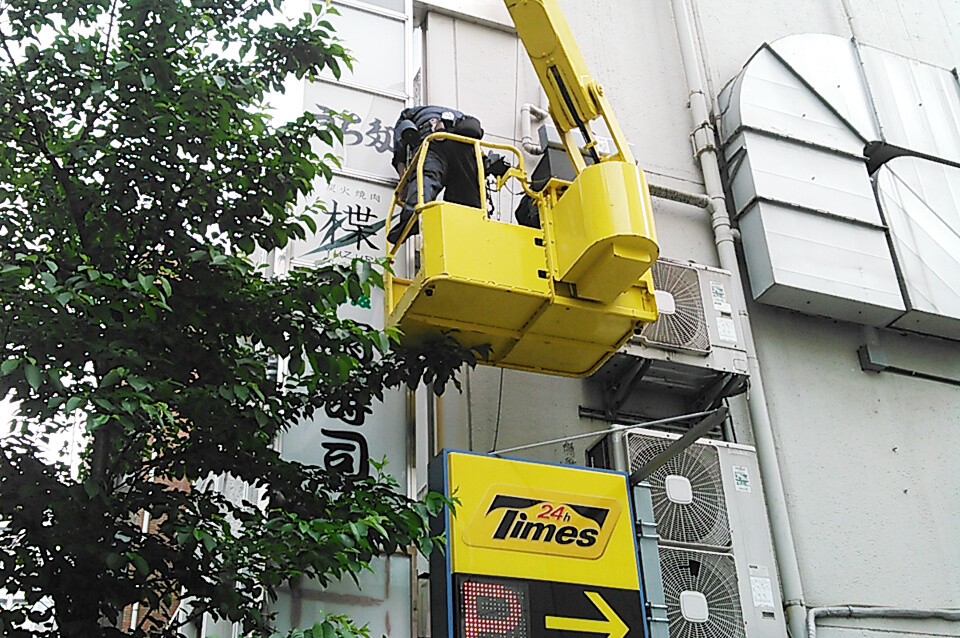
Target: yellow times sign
[(539, 521), (543, 522)]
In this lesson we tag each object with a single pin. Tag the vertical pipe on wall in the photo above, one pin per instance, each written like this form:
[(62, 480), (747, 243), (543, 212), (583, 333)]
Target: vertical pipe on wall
[(619, 453), (706, 150)]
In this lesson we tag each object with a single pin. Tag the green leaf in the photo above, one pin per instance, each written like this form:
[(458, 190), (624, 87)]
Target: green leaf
[(32, 374), (165, 284), (115, 561), (48, 280), (245, 244), (209, 542), (111, 378), (296, 363), (54, 377), (220, 81), (92, 488), (426, 546), (364, 269), (139, 562), (435, 503), (9, 366)]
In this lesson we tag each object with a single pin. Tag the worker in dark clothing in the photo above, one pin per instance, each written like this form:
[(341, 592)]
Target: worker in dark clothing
[(448, 165)]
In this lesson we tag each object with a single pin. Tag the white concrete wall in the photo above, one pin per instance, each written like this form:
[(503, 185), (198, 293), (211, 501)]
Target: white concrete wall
[(868, 460), (868, 466)]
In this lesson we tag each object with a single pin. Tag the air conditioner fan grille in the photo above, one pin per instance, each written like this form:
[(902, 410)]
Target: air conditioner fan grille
[(704, 520), (685, 329), (714, 576)]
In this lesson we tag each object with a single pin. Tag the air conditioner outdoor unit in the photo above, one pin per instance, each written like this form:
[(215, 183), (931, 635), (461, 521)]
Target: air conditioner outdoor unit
[(702, 594), (699, 323), (694, 350), (716, 555)]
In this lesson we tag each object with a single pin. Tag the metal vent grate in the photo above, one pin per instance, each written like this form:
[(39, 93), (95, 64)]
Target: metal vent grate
[(702, 520), (692, 576), (685, 329)]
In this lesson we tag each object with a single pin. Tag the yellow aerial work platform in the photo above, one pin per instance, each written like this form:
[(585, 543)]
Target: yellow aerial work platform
[(557, 300), (560, 299)]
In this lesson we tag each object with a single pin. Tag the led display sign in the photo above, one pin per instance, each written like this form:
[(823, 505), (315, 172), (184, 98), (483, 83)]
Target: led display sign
[(542, 551)]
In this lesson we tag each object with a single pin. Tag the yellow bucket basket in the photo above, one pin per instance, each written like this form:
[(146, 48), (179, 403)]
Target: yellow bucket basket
[(560, 299)]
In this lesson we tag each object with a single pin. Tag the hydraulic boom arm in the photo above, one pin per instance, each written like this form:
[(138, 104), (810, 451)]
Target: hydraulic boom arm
[(575, 98)]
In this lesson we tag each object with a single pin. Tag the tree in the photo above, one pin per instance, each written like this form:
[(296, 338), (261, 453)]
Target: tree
[(138, 174)]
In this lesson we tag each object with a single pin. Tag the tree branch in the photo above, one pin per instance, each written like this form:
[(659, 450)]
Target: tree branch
[(106, 42), (61, 174)]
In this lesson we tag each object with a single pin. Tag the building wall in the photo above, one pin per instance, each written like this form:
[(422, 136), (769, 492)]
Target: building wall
[(867, 459)]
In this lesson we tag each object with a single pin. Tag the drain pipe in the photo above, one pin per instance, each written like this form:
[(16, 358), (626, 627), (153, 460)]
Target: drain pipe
[(704, 139), (849, 611), (527, 113)]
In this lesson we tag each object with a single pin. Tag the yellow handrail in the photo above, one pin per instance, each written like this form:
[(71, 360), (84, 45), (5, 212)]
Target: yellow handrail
[(519, 172)]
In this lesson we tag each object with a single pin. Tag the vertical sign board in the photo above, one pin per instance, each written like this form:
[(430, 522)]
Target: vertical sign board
[(364, 103), (534, 551)]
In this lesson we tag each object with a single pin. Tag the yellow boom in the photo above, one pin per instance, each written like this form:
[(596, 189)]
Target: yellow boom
[(575, 98)]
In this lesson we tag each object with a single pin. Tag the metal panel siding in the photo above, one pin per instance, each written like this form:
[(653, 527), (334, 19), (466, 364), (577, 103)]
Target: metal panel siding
[(804, 176), (733, 29), (367, 39), (742, 179), (919, 200), (829, 64), (772, 98), (822, 265), (918, 104), (918, 109), (757, 253)]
